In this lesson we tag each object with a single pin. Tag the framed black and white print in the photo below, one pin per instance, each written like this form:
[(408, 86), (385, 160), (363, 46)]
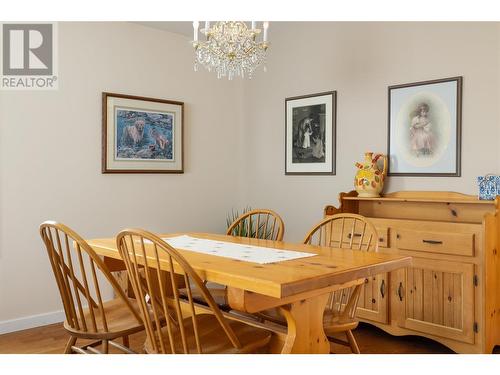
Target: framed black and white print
[(310, 134), (424, 121)]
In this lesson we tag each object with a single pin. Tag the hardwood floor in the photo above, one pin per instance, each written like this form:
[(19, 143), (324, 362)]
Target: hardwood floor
[(52, 339), (372, 340)]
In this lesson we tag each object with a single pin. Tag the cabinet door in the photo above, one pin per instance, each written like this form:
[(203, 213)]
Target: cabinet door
[(437, 297), (373, 300)]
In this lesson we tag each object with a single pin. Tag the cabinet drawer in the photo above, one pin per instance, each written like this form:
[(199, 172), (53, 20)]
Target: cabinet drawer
[(435, 242), (348, 233), (383, 236)]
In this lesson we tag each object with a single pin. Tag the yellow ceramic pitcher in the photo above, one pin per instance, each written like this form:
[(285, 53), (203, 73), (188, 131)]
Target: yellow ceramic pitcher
[(369, 180)]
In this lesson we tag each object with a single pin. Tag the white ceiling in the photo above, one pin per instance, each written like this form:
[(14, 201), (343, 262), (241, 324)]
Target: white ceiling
[(186, 27), (179, 27)]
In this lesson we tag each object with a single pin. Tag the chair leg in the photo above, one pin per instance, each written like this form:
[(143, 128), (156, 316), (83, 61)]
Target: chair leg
[(352, 342), (69, 344), (105, 346), (126, 341), (332, 349)]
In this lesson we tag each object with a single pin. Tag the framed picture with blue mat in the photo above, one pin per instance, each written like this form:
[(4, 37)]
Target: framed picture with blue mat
[(424, 130)]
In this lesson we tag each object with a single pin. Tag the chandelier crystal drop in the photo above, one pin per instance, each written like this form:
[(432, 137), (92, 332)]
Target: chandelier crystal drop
[(230, 48)]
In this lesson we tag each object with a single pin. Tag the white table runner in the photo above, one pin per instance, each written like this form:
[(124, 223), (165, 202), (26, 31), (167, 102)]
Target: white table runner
[(246, 253)]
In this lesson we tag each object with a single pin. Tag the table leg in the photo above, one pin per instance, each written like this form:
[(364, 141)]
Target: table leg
[(118, 269), (305, 326)]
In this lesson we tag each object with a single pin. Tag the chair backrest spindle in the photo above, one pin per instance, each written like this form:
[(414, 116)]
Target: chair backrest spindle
[(154, 268), (78, 271), (345, 231), (257, 224)]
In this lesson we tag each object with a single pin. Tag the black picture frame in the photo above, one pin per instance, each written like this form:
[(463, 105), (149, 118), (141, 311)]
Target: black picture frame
[(310, 134)]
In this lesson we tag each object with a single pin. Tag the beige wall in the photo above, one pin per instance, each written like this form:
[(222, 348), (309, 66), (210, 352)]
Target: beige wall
[(360, 60), (234, 139), (50, 153)]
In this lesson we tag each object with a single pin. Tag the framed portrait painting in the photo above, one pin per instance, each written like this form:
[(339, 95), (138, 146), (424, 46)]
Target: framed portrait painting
[(310, 140), (425, 128), (141, 135)]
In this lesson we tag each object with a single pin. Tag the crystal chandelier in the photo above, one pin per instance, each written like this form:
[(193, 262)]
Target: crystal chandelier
[(230, 48)]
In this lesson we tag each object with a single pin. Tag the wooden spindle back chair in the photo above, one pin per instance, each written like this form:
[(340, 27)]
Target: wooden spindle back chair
[(160, 298), (80, 274), (259, 223), (346, 231)]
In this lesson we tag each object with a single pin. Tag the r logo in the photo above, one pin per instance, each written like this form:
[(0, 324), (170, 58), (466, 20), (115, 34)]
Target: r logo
[(27, 49)]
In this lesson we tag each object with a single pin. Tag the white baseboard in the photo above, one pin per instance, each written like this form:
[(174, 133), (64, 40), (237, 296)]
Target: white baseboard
[(32, 321)]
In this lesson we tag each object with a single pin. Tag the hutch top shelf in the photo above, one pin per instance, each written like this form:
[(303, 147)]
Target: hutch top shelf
[(420, 196), (418, 205)]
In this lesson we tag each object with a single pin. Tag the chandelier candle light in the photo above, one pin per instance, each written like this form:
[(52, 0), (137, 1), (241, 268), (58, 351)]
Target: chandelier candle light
[(230, 47)]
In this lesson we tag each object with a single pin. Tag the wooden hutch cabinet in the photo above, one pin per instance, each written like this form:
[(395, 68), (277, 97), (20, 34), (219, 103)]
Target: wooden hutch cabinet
[(451, 293)]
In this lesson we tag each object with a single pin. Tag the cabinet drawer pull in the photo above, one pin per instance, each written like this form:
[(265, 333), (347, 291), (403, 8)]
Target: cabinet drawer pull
[(433, 242), (382, 288), (400, 291), (350, 235)]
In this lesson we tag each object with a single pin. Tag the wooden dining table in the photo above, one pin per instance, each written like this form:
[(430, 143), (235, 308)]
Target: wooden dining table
[(300, 287)]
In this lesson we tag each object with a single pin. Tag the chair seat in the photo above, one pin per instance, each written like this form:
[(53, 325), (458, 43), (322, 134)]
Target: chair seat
[(334, 322), (217, 291), (213, 338), (119, 319)]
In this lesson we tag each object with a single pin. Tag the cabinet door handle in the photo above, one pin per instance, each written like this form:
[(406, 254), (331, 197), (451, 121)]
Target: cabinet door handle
[(400, 291), (353, 235), (382, 288), (433, 242)]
